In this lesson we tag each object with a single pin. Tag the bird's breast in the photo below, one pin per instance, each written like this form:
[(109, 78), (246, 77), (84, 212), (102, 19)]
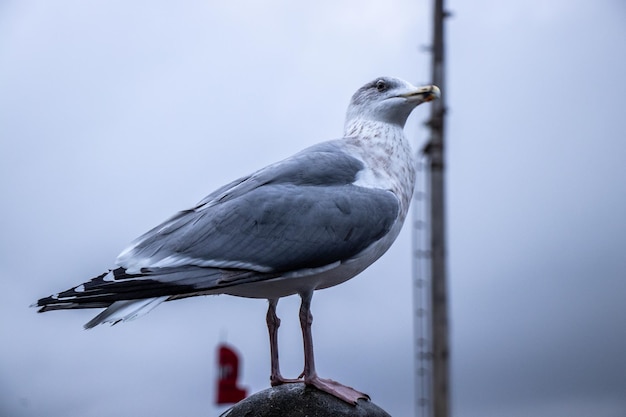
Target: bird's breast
[(389, 164)]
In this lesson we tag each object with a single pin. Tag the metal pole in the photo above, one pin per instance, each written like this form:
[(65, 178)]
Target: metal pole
[(421, 294), (435, 151)]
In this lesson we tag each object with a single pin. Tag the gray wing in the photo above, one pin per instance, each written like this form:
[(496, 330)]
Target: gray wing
[(303, 212)]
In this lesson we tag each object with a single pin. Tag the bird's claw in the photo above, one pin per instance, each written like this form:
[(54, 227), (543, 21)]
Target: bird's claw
[(343, 392), (276, 380)]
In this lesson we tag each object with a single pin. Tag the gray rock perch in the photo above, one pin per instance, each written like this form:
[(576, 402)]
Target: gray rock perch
[(299, 400)]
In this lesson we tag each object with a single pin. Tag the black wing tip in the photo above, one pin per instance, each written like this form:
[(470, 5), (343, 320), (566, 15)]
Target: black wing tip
[(41, 308), (71, 298), (43, 304)]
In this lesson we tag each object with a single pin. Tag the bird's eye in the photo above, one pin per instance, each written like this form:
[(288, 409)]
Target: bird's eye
[(381, 86)]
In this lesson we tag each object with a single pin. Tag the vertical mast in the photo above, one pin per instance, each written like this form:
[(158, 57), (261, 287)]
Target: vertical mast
[(436, 156)]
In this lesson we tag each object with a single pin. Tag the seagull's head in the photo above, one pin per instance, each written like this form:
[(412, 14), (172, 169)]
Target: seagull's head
[(388, 100)]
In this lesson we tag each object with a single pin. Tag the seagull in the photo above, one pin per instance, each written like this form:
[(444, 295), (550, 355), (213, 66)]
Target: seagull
[(308, 222)]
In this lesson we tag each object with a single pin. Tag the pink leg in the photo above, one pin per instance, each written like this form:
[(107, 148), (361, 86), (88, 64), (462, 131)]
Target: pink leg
[(273, 323), (345, 393)]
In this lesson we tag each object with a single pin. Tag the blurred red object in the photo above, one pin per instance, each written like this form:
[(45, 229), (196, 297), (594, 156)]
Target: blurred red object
[(228, 371)]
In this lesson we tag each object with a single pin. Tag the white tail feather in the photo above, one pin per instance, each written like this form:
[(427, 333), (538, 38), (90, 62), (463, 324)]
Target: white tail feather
[(125, 310)]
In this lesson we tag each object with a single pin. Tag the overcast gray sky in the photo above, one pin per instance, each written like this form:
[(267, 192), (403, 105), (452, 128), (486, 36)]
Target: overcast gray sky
[(114, 115)]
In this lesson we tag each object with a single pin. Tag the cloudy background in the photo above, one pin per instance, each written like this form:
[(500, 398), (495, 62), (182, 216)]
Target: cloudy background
[(114, 115)]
